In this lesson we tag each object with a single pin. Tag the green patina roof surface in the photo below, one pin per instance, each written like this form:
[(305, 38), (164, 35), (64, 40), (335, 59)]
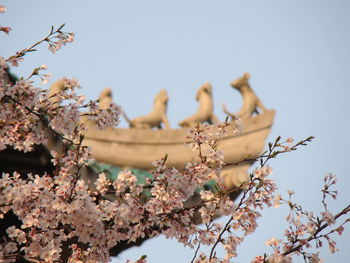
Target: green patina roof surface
[(113, 171)]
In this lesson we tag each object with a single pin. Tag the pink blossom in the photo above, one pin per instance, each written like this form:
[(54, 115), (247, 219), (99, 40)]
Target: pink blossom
[(314, 258), (206, 195), (290, 192), (286, 148), (45, 78), (328, 217), (273, 242), (332, 246), (290, 140), (277, 201), (2, 9), (279, 258), (14, 61), (10, 247), (258, 259)]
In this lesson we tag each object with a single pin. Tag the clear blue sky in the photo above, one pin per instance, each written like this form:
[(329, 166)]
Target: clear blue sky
[(298, 53)]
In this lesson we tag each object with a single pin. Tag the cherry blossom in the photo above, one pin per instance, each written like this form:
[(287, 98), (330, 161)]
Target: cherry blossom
[(2, 9)]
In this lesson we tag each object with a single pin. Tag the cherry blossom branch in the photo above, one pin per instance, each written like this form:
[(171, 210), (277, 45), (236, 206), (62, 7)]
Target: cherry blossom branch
[(195, 253), (219, 238), (62, 39), (42, 118), (319, 230), (230, 220), (296, 239), (271, 153), (264, 158)]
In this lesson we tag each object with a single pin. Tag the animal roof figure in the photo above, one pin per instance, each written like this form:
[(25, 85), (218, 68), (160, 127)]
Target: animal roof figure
[(205, 110), (105, 99), (55, 88), (156, 117), (251, 101)]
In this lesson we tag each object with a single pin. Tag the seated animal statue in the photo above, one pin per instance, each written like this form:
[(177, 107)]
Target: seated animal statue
[(55, 88), (156, 117), (105, 99), (251, 102), (205, 110), (60, 85)]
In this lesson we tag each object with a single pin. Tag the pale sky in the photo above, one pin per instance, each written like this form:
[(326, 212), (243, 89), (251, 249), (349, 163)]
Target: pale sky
[(298, 54)]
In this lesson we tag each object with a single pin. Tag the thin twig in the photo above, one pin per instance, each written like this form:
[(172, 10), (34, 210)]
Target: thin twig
[(195, 254), (314, 236), (31, 48)]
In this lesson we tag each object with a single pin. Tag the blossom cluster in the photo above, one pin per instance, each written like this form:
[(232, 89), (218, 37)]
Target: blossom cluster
[(305, 229), (55, 39)]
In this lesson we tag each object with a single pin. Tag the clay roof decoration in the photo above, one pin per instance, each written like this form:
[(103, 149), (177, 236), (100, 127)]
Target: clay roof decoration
[(140, 145), (156, 117), (105, 99), (205, 112), (251, 102)]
